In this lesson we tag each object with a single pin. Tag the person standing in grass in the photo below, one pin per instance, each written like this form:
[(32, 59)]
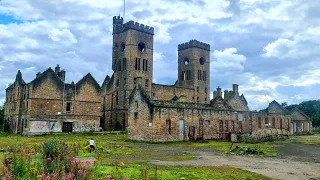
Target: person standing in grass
[(91, 143)]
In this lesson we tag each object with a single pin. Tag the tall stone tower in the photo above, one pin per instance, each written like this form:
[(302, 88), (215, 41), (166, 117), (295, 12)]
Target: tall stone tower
[(194, 69), (132, 63)]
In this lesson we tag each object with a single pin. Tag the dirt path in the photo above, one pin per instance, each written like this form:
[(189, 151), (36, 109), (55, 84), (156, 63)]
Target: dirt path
[(300, 151), (271, 167)]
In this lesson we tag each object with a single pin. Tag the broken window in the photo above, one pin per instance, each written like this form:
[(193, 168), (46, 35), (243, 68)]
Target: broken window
[(168, 127), (266, 122), (207, 122), (202, 61), (183, 76), (141, 47), (68, 107), (136, 115), (123, 47), (186, 61)]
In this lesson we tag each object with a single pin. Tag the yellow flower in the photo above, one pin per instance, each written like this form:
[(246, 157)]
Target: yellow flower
[(122, 164), (39, 176)]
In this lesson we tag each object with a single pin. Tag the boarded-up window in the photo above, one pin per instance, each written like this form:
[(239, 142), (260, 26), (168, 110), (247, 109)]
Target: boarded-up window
[(259, 122), (168, 127)]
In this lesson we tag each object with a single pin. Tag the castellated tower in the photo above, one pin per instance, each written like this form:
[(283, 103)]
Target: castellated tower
[(132, 63), (194, 69)]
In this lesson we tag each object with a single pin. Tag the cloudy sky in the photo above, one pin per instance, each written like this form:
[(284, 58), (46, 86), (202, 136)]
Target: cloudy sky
[(269, 47)]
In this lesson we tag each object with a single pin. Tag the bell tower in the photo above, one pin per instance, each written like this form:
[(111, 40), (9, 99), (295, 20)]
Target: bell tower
[(194, 69)]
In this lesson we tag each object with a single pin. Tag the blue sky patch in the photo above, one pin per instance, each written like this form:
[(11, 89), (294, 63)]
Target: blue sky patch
[(7, 19)]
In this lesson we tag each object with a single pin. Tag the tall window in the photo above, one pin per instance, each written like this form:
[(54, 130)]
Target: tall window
[(145, 65), (110, 120), (117, 98), (205, 90), (266, 121), (232, 126), (204, 76), (124, 63), (220, 126), (68, 107), (259, 122), (273, 122), (188, 74), (168, 127), (146, 83), (137, 65), (227, 126), (183, 76), (280, 123)]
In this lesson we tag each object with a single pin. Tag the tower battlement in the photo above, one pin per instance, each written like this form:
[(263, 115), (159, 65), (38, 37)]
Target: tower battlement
[(119, 27), (117, 20), (194, 43)]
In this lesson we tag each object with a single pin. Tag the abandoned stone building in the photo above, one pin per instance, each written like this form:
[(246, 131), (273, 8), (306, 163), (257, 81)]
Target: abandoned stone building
[(130, 100), (48, 104)]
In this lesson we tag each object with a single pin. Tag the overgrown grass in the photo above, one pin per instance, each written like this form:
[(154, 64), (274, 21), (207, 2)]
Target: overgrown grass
[(135, 171)]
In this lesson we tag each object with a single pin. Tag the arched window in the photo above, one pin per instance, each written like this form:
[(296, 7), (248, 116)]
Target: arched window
[(141, 47), (186, 61), (123, 47), (202, 61)]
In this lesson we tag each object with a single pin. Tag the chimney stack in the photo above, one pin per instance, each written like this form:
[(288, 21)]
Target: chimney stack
[(219, 93), (57, 69), (38, 74), (235, 88)]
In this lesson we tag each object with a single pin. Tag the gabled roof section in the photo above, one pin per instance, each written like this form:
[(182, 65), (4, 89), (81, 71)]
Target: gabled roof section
[(88, 79), (111, 81), (105, 82), (220, 103), (19, 79), (49, 73), (296, 109), (278, 106), (243, 98)]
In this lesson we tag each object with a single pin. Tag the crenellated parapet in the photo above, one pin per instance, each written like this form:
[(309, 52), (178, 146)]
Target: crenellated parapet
[(119, 27), (194, 43)]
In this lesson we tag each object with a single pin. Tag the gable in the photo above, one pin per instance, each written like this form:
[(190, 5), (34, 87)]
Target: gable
[(275, 108), (47, 88), (298, 115), (237, 103)]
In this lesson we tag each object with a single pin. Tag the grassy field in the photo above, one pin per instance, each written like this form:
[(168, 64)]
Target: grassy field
[(134, 156)]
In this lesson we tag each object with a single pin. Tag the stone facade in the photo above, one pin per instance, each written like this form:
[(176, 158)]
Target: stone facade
[(160, 121), (129, 99), (48, 104)]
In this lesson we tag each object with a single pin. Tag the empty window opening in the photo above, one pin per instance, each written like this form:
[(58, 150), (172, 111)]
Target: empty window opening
[(198, 89), (186, 61), (207, 122), (202, 61), (259, 122), (68, 107), (141, 47), (123, 47), (137, 105), (124, 63), (136, 115), (232, 126), (205, 90), (183, 76), (146, 83), (117, 98), (168, 127)]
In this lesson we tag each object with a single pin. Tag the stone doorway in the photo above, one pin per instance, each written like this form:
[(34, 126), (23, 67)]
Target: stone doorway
[(192, 132)]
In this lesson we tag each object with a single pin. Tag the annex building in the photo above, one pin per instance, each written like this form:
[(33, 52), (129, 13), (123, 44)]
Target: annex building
[(130, 100)]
